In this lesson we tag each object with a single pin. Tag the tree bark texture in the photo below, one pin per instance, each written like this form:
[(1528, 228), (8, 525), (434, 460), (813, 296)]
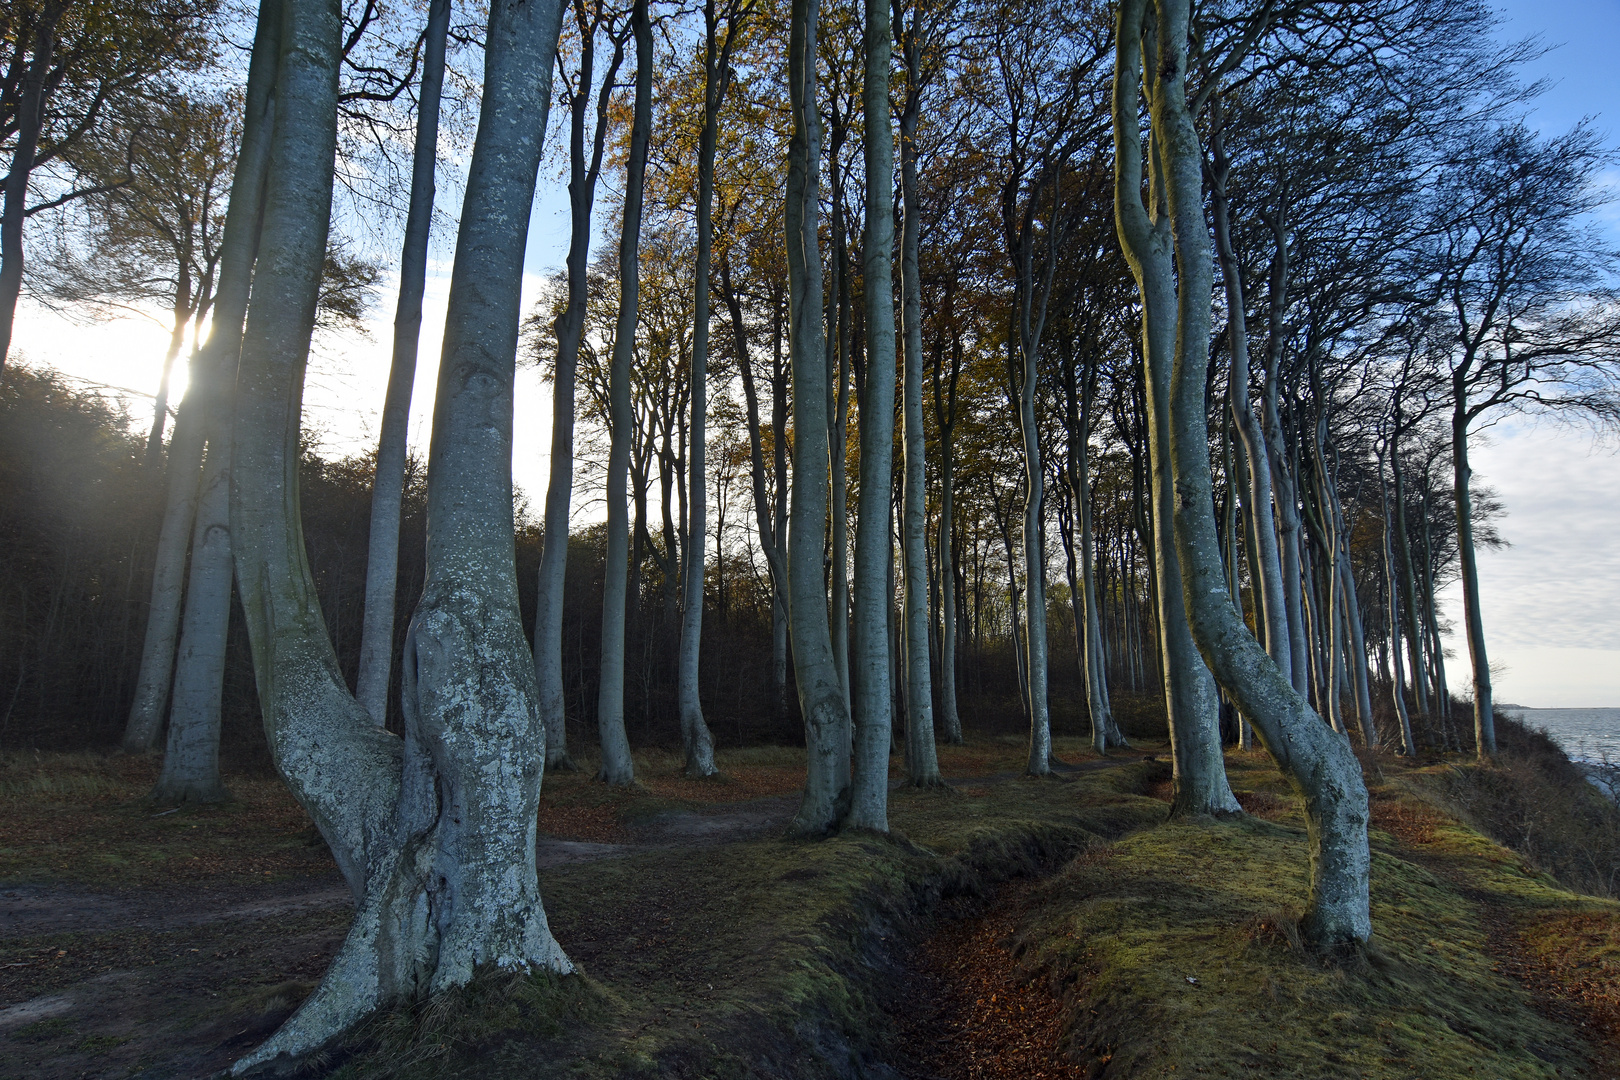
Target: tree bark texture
[(1478, 661)]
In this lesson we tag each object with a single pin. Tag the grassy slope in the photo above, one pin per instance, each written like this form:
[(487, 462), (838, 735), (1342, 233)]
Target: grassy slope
[(1122, 932)]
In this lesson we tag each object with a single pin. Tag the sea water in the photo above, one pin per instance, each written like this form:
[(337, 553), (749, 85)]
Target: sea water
[(1585, 734)]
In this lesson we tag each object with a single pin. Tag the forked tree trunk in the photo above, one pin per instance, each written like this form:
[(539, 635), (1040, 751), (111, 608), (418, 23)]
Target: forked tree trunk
[(1318, 764), (238, 250), (388, 482), (181, 311), (922, 760), (821, 696), (618, 768), (869, 803), (436, 835)]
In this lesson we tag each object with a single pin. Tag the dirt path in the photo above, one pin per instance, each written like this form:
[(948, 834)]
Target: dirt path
[(965, 1014)]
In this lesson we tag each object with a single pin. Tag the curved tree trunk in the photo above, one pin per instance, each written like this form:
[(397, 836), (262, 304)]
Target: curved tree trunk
[(821, 695), (435, 836), (922, 760), (617, 767), (1318, 764), (869, 804), (388, 483)]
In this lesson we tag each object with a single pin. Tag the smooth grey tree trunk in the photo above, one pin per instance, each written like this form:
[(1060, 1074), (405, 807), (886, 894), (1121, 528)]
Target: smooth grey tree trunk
[(435, 836), (869, 804), (617, 767), (695, 735), (821, 695), (388, 483), (1318, 764), (238, 250), (922, 760)]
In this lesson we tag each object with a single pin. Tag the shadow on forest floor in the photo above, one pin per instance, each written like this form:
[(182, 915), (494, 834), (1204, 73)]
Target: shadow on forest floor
[(1029, 929)]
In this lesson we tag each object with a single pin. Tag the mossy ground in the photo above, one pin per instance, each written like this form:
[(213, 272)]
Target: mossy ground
[(762, 956)]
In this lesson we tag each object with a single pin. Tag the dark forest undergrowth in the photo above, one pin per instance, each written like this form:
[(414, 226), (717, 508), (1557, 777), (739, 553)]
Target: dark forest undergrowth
[(1011, 928)]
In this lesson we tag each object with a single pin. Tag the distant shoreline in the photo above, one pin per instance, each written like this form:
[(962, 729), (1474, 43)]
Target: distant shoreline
[(1504, 706)]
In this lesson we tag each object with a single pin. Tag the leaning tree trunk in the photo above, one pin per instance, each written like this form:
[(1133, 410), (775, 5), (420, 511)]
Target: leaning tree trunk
[(238, 251), (388, 483), (821, 696), (922, 760), (617, 767), (869, 804), (695, 736), (1318, 763), (1479, 663), (435, 836)]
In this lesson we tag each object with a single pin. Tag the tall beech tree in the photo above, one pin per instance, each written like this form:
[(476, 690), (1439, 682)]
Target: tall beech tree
[(617, 767), (821, 695), (434, 832), (874, 520)]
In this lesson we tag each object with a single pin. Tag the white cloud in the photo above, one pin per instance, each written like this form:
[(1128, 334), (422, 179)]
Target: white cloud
[(1550, 601)]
